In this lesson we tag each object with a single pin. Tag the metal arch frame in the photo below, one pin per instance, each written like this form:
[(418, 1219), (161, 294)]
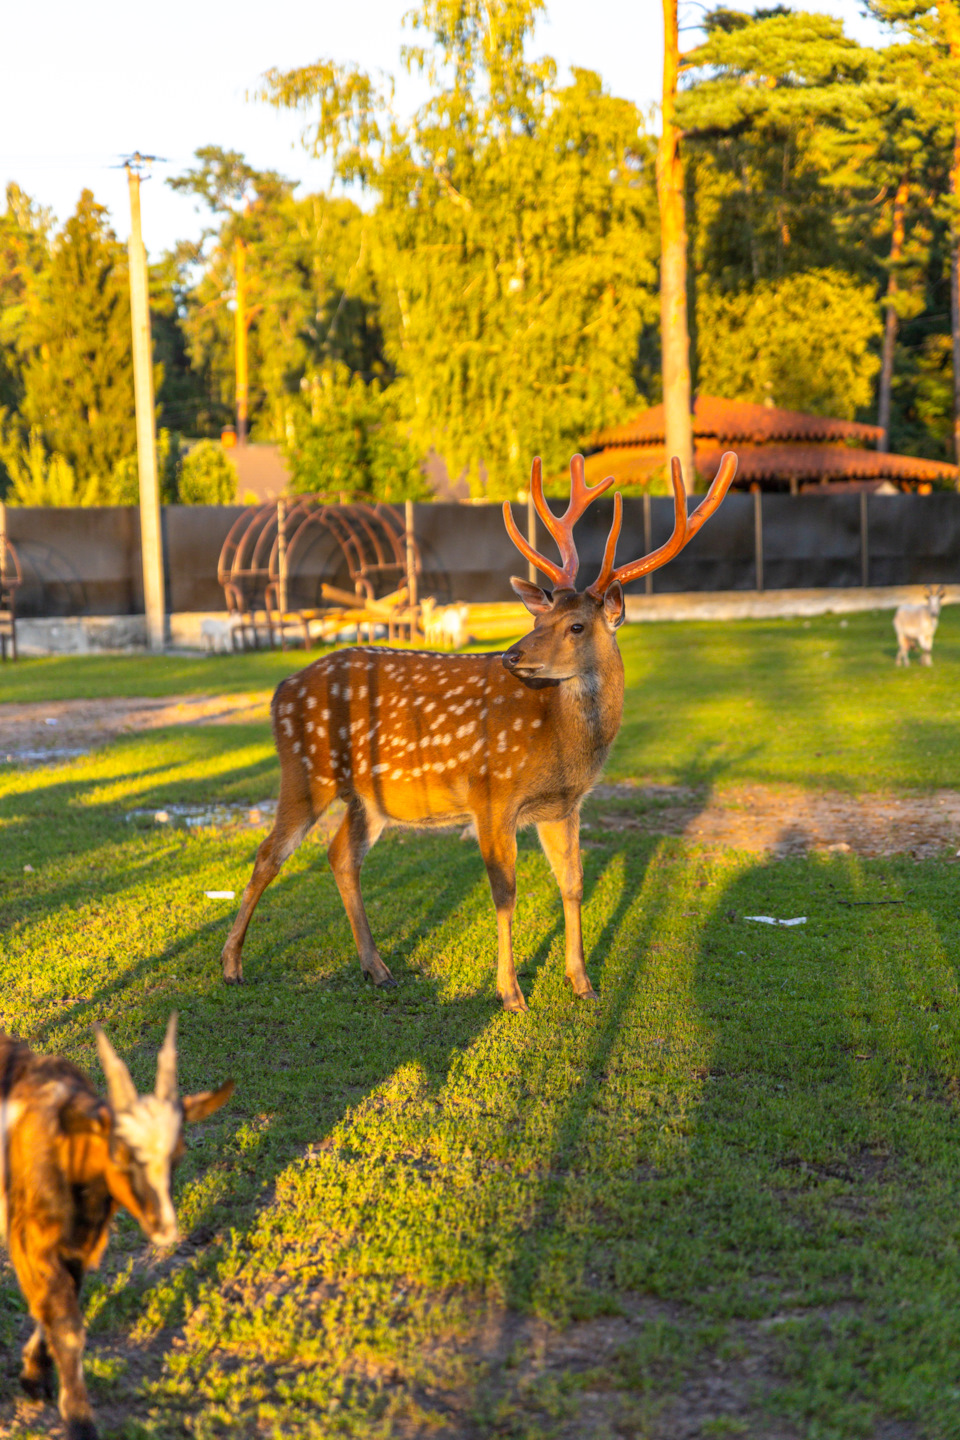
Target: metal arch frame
[(371, 538), (10, 580)]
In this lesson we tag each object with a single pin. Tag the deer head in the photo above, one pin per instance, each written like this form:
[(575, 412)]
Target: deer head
[(574, 631)]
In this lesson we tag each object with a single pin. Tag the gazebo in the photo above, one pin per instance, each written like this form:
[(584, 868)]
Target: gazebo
[(778, 450)]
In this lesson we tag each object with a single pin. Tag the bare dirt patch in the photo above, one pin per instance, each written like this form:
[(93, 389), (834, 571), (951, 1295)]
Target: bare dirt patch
[(54, 726), (783, 820)]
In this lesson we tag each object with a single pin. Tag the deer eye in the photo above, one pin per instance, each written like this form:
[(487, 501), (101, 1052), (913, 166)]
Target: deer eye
[(575, 629)]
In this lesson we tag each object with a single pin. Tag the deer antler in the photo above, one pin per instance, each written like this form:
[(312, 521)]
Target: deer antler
[(684, 527), (564, 576)]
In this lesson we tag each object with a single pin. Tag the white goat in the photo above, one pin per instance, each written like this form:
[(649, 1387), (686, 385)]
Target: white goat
[(445, 625), (917, 625)]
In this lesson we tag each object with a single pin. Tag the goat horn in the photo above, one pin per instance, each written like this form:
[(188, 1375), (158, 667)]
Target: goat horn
[(166, 1087), (121, 1090)]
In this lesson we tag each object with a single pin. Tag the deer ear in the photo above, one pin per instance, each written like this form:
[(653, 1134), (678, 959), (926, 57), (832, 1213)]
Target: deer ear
[(614, 605), (198, 1107), (537, 601)]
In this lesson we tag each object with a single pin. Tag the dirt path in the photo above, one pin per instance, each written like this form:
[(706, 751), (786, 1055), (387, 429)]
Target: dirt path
[(783, 820), (766, 819), (28, 730)]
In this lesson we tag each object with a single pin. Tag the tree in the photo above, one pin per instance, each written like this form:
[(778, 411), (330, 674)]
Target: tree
[(806, 342), (24, 252), (207, 476), (514, 244), (36, 477), (674, 329), (346, 437), (78, 372)]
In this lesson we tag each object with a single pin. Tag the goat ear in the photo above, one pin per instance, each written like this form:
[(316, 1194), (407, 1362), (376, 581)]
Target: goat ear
[(537, 601), (198, 1107), (614, 605), (120, 1088), (166, 1087)]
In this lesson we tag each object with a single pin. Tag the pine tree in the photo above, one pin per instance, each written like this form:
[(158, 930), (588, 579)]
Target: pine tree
[(78, 377)]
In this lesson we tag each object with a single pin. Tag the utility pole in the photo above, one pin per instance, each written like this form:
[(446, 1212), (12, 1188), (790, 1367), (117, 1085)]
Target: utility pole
[(240, 337), (151, 548)]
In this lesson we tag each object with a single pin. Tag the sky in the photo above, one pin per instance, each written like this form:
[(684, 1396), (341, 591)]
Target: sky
[(81, 86)]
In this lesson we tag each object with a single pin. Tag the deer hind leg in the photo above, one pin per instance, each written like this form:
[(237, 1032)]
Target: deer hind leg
[(358, 831), (498, 846), (561, 845), (297, 810)]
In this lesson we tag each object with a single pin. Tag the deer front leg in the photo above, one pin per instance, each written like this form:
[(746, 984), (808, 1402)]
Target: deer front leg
[(561, 845), (36, 1371), (498, 846), (357, 833), (52, 1295), (295, 815)]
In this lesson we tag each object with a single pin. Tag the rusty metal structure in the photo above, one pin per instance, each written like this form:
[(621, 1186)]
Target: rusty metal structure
[(301, 563), (11, 578)]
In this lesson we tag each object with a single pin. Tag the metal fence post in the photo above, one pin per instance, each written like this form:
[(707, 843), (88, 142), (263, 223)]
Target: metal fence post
[(758, 536), (864, 541), (647, 542)]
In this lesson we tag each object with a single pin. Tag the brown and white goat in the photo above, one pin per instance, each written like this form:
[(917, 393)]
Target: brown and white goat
[(917, 625), (68, 1160), (505, 740)]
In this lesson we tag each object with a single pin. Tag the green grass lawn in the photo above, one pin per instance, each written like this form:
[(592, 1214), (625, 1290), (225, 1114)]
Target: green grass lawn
[(815, 703), (723, 1202)]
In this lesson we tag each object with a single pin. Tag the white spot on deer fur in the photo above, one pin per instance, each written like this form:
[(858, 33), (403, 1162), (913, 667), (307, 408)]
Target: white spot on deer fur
[(396, 774), (287, 727), (302, 691), (483, 769), (428, 708), (378, 769), (535, 724), (296, 747), (361, 768), (518, 723), (362, 692), (324, 714), (334, 689), (346, 692), (466, 729)]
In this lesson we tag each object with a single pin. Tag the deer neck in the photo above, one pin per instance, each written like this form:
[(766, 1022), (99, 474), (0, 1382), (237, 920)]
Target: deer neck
[(591, 705)]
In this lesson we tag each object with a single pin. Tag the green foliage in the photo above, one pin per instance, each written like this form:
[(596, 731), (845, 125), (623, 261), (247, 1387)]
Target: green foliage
[(24, 251), (78, 373), (124, 487), (804, 342), (346, 437), (512, 322), (207, 476), (36, 477)]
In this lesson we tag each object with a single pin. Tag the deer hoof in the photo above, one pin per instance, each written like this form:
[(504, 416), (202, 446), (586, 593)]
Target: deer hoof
[(387, 983), (233, 977), (515, 1004)]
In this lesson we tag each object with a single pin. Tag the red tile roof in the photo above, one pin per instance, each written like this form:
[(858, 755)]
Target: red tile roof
[(734, 421), (772, 462)]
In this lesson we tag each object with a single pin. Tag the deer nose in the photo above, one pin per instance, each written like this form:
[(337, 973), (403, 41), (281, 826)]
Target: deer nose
[(511, 658)]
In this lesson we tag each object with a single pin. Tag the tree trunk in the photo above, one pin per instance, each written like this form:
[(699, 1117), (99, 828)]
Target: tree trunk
[(675, 337), (240, 338), (892, 323)]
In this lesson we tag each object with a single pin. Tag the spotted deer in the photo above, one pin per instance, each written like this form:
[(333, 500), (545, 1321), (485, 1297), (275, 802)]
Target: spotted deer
[(68, 1161), (917, 625), (505, 740)]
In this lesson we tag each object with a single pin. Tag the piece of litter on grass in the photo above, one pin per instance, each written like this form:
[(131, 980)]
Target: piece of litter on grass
[(772, 920), (161, 817), (48, 721), (28, 869), (220, 894)]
